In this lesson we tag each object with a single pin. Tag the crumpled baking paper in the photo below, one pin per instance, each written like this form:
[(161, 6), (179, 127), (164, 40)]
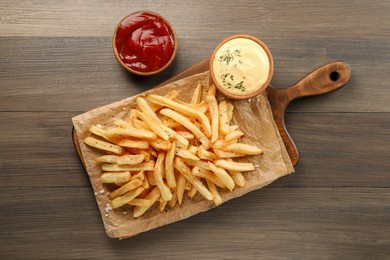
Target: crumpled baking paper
[(254, 116)]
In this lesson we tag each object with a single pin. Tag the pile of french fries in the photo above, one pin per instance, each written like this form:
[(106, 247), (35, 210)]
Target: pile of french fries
[(166, 147)]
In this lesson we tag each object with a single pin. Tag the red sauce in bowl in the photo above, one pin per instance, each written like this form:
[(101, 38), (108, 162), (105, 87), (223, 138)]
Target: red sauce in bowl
[(144, 42)]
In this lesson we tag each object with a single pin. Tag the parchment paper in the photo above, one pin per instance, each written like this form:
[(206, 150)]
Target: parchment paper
[(255, 119)]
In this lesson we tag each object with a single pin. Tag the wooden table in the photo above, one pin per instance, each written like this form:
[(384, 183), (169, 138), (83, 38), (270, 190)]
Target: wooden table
[(56, 62)]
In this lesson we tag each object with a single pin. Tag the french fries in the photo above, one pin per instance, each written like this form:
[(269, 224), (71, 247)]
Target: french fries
[(166, 148)]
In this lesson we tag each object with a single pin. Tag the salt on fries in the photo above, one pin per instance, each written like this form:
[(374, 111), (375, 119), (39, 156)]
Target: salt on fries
[(166, 147)]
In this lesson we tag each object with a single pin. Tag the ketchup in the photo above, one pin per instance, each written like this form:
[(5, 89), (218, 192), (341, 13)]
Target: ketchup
[(144, 42)]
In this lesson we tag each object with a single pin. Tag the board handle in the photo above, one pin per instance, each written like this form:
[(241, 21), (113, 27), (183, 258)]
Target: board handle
[(325, 79)]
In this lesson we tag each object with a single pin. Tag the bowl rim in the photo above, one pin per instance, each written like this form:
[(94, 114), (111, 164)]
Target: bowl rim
[(149, 73), (270, 73)]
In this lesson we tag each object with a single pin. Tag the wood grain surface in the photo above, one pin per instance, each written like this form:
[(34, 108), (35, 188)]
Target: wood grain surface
[(56, 62)]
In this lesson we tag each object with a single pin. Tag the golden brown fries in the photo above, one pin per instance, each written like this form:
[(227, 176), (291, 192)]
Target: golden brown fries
[(166, 148)]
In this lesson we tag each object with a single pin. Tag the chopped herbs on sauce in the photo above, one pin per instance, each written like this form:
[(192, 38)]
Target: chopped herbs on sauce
[(229, 57)]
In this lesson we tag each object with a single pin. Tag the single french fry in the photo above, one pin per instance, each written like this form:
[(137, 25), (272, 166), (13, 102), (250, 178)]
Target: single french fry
[(197, 96), (199, 163), (166, 193), (200, 106), (230, 108), (234, 166), (212, 90), (152, 197), (103, 145), (145, 182), (124, 159), (169, 122), (139, 202), (208, 175), (143, 152), (186, 172), (162, 204), (160, 144), (238, 178), (185, 154), (187, 124), (122, 123), (220, 143), (186, 134), (182, 109), (223, 118), (231, 136), (151, 179), (115, 177), (98, 131), (214, 191), (126, 198), (214, 114), (224, 154), (206, 155), (181, 183), (191, 193), (173, 201), (170, 95), (139, 124), (169, 169), (131, 185), (223, 176), (242, 148), (145, 166), (132, 132)]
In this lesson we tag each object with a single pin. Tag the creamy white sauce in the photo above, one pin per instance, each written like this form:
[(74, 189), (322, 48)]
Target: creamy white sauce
[(241, 66)]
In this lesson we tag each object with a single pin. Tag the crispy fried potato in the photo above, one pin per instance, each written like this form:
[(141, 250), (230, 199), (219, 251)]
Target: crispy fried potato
[(131, 185), (214, 114), (170, 95), (214, 191), (126, 198), (223, 154), (115, 177), (139, 202), (234, 166), (185, 147), (185, 154), (131, 132), (223, 118), (124, 159), (233, 136), (242, 149), (105, 146), (166, 193), (145, 166), (181, 183), (197, 96), (169, 169)]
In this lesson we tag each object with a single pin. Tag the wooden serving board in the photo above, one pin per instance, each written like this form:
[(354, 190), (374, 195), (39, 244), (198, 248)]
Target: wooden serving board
[(324, 79)]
